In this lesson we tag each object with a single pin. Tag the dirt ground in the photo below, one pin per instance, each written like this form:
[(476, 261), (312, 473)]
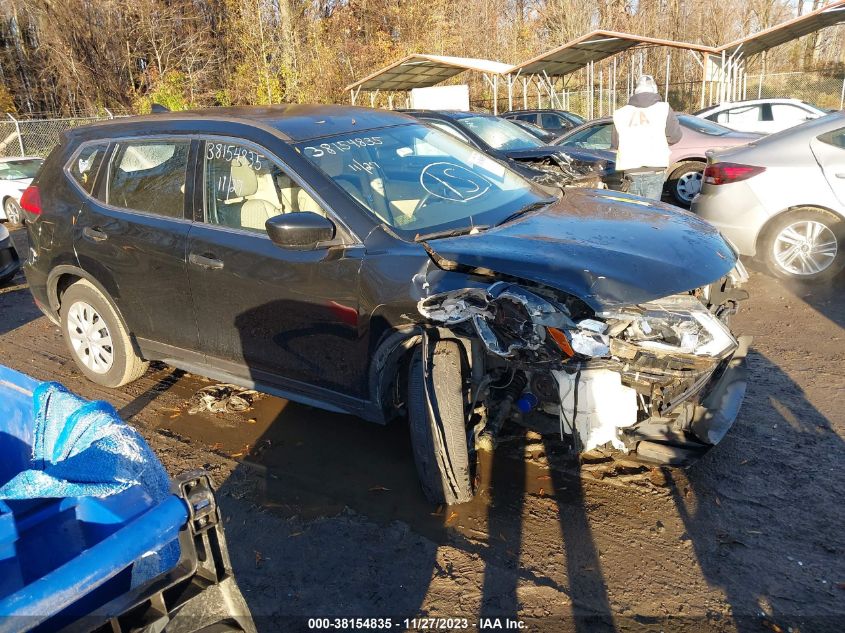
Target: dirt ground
[(324, 517)]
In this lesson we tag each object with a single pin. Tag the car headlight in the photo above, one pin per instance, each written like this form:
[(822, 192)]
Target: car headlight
[(679, 324)]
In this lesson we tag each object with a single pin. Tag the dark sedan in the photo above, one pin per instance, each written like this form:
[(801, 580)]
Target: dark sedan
[(359, 261), (525, 153), (557, 121)]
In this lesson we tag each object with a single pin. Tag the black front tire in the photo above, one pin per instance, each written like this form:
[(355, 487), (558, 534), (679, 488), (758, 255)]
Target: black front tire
[(438, 433)]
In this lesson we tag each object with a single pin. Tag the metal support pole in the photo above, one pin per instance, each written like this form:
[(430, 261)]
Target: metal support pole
[(722, 80), (704, 67), (760, 85), (18, 132), (511, 81), (842, 95), (668, 65), (613, 107), (495, 94), (601, 93), (524, 93)]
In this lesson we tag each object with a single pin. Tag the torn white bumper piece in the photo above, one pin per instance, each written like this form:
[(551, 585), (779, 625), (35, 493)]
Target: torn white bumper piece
[(594, 404)]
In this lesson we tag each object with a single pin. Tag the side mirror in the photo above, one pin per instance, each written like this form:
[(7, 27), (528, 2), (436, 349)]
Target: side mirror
[(302, 230)]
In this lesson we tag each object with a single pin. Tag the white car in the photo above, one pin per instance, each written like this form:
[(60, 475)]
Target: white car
[(782, 199), (15, 176), (761, 115)]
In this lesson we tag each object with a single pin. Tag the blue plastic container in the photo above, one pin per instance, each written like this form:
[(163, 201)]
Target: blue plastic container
[(61, 559)]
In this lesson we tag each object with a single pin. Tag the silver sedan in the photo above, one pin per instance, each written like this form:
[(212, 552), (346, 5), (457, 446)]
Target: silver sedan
[(782, 198)]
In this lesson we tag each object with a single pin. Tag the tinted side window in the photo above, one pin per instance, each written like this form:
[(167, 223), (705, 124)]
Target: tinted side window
[(787, 113), (83, 168), (593, 137), (550, 121), (531, 117), (149, 176), (244, 188), (834, 137), (743, 114)]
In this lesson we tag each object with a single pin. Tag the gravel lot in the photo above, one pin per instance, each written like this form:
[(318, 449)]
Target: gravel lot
[(324, 517)]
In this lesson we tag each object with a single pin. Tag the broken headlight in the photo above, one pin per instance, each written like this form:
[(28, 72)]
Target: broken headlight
[(679, 324)]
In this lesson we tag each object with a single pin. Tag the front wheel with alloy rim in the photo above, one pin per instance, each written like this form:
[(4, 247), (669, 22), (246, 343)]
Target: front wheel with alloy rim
[(684, 182), (12, 209), (96, 337), (806, 244)]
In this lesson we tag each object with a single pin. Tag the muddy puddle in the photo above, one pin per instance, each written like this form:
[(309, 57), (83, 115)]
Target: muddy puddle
[(313, 463)]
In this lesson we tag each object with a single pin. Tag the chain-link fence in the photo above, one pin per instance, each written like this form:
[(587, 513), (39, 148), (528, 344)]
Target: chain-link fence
[(36, 137), (826, 90)]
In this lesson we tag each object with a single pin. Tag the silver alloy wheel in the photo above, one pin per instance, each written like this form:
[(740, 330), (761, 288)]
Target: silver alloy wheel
[(688, 185), (13, 211), (90, 337), (806, 247)]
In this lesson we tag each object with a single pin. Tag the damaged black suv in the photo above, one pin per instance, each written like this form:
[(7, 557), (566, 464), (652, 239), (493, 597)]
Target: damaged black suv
[(359, 261)]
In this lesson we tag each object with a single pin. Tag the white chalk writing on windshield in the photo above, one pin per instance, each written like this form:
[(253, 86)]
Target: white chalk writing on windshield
[(338, 147), (450, 181), (368, 166)]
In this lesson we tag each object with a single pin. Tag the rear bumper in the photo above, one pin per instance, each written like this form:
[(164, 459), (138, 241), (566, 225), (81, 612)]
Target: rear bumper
[(736, 211), (700, 426)]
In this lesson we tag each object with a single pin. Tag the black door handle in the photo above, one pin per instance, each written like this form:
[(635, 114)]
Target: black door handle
[(205, 262), (93, 233)]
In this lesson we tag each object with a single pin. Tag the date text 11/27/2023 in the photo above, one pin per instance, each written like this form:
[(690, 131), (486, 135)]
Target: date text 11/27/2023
[(416, 624)]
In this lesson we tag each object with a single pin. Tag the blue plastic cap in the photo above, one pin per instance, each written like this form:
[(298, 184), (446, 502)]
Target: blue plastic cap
[(527, 402)]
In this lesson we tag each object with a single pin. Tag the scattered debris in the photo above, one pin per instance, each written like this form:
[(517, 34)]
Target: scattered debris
[(222, 398)]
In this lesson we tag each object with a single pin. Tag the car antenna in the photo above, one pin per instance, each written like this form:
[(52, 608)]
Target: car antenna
[(157, 108)]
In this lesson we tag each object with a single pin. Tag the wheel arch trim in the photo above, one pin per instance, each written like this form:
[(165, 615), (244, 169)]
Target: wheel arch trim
[(63, 270)]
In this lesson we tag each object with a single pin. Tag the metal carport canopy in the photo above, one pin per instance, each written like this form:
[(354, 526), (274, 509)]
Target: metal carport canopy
[(422, 71), (593, 47), (833, 13)]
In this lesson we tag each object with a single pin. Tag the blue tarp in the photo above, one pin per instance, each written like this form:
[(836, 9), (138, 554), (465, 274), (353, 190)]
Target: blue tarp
[(83, 449)]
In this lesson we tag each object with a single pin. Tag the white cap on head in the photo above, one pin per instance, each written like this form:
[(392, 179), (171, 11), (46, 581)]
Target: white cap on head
[(646, 83)]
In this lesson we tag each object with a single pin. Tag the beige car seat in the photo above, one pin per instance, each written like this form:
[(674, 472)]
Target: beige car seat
[(256, 190)]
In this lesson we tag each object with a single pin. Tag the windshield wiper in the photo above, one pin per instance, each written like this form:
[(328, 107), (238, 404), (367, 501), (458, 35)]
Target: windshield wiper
[(527, 209), (422, 237)]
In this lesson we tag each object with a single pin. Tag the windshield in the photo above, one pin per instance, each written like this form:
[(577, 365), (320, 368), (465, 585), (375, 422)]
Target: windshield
[(420, 180), (500, 133), (702, 126), (20, 169)]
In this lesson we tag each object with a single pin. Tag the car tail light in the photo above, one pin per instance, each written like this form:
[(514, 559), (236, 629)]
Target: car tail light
[(725, 173), (31, 200)]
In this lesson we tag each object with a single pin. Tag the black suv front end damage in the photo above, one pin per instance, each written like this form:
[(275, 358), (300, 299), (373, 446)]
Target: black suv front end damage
[(661, 379)]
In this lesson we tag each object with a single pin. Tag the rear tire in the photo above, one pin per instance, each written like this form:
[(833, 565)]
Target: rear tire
[(13, 211), (685, 181), (96, 338), (806, 244), (440, 441)]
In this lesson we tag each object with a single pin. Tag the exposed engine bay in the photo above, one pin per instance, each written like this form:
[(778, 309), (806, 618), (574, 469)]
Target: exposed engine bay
[(663, 379), (562, 170)]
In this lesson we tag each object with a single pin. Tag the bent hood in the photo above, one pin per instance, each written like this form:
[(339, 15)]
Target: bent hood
[(579, 154), (608, 249)]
